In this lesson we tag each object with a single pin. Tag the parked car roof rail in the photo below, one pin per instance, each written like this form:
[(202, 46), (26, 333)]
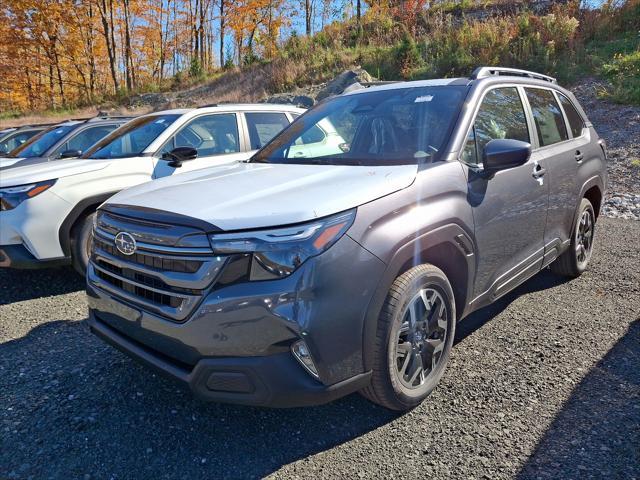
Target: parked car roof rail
[(484, 72), (110, 117), (242, 105), (376, 83)]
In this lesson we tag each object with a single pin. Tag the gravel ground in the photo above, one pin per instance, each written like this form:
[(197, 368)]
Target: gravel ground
[(543, 384), (619, 125)]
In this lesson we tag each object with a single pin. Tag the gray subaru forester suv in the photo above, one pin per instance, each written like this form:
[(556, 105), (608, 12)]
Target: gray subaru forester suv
[(341, 256)]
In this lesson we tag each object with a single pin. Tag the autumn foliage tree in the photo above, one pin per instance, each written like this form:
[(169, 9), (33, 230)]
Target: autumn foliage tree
[(63, 53)]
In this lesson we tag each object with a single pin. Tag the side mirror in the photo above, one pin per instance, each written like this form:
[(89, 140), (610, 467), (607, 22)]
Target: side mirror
[(179, 155), (71, 153), (501, 154)]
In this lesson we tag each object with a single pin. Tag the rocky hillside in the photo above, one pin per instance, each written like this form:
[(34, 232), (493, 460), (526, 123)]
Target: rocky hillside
[(619, 125)]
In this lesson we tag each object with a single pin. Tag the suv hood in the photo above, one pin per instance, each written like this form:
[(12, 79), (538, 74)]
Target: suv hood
[(45, 170), (8, 161), (242, 196)]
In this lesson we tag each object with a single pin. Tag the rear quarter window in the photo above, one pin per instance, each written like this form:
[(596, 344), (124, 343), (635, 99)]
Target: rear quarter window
[(576, 123)]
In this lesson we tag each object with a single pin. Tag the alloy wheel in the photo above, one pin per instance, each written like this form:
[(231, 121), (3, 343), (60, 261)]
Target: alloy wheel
[(584, 237), (421, 337)]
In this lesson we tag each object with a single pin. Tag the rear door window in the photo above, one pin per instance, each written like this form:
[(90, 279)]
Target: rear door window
[(313, 135), (263, 126), (547, 116), (576, 123)]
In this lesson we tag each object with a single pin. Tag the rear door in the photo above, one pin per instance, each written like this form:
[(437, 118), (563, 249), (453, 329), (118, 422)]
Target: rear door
[(562, 144), (509, 207)]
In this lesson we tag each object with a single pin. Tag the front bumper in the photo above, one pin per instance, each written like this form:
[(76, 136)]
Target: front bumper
[(247, 328), (17, 256), (270, 381), (35, 225)]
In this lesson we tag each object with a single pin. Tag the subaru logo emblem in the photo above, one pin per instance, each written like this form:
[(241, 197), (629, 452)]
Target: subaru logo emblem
[(125, 243)]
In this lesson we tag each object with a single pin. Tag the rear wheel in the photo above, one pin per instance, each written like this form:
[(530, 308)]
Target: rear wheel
[(575, 260), (414, 338), (82, 236)]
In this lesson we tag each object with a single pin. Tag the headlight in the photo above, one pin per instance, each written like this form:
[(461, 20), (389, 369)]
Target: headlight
[(11, 197), (278, 252)]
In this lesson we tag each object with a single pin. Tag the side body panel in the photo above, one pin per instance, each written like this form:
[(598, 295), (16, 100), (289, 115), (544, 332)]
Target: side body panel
[(572, 165), (510, 213)]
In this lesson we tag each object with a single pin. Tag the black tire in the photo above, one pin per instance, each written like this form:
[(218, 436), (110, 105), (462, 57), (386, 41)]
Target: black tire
[(572, 262), (81, 238), (389, 385)]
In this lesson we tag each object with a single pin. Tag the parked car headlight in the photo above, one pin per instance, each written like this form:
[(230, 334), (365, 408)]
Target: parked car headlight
[(11, 197), (278, 252)]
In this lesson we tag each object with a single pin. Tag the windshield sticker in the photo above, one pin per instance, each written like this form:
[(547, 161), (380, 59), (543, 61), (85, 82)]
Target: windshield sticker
[(423, 98)]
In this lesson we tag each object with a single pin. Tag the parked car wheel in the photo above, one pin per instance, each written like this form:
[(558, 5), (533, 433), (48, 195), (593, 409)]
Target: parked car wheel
[(575, 260), (81, 243), (414, 338)]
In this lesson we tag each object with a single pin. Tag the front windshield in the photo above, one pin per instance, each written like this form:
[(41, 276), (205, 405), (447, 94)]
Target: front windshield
[(132, 138), (384, 127), (37, 146)]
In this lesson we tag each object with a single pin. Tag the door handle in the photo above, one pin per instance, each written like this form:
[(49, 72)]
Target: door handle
[(579, 156), (538, 171)]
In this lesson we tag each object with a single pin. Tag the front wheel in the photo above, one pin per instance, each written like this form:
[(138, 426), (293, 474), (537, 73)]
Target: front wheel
[(575, 260), (82, 236), (414, 338)]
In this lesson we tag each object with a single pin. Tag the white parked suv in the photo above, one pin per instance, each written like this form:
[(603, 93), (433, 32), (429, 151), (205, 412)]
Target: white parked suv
[(47, 209)]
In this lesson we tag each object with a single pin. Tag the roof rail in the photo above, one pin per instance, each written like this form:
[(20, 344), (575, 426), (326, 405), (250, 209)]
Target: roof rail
[(110, 117), (484, 72), (74, 120), (376, 83), (241, 104)]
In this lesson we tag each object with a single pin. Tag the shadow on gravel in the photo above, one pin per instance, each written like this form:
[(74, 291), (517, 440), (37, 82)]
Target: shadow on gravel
[(73, 406), (19, 285), (542, 281), (598, 430)]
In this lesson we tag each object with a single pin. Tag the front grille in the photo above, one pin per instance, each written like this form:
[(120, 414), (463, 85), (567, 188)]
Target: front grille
[(164, 279), (157, 262), (146, 294)]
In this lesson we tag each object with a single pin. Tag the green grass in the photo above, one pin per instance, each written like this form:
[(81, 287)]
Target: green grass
[(9, 115), (599, 52), (623, 71)]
